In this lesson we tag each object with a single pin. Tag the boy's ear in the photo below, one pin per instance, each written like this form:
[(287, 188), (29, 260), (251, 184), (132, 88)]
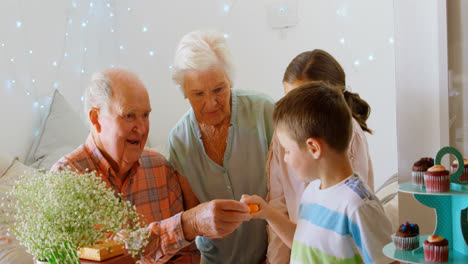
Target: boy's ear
[(314, 146), (94, 118)]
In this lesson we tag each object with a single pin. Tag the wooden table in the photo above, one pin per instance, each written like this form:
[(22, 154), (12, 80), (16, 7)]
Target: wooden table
[(122, 259)]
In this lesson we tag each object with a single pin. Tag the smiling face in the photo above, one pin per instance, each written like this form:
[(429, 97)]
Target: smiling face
[(124, 129), (209, 93)]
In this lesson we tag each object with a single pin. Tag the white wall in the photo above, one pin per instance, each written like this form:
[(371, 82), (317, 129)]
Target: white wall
[(422, 94), (457, 34), (359, 34)]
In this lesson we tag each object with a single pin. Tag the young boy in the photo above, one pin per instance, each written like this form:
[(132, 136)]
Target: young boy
[(339, 220)]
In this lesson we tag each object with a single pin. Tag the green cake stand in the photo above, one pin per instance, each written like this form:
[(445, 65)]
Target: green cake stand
[(452, 221)]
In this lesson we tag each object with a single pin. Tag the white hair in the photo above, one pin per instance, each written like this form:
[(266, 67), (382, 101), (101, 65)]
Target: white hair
[(201, 50), (98, 93)]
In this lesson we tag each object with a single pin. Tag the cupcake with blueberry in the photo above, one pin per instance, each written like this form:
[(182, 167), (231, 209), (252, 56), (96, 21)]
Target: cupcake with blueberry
[(464, 176), (436, 249), (406, 237), (419, 168), (437, 179)]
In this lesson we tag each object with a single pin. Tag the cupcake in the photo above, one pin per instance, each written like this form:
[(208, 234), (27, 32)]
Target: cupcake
[(407, 237), (436, 249), (464, 176), (419, 167), (437, 179)]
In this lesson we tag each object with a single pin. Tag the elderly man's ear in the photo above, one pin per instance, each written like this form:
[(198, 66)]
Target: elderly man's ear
[(94, 118)]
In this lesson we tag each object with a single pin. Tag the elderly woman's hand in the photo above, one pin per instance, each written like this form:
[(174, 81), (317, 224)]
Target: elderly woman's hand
[(214, 219)]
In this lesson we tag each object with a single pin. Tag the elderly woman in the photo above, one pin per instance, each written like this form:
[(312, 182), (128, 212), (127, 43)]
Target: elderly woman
[(220, 145)]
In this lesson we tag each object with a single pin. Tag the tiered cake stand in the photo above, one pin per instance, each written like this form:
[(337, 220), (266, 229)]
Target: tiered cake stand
[(448, 207)]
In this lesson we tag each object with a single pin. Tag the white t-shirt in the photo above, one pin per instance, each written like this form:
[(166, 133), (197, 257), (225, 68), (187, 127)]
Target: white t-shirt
[(341, 224)]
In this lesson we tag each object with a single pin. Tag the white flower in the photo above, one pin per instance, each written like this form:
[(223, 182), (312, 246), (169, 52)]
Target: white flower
[(54, 210)]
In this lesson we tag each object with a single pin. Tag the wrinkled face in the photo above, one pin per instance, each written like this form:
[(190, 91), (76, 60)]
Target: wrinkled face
[(209, 93), (290, 86), (124, 130), (299, 159)]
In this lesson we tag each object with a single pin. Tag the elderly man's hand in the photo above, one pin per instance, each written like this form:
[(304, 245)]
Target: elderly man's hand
[(214, 219)]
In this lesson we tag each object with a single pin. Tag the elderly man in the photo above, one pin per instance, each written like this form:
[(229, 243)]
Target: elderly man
[(118, 107)]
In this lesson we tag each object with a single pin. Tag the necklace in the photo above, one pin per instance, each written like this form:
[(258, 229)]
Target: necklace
[(215, 141)]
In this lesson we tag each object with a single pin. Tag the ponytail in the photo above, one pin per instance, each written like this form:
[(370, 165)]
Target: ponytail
[(360, 109)]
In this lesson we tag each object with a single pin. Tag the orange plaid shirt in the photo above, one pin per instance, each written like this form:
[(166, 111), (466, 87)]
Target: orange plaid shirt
[(153, 187)]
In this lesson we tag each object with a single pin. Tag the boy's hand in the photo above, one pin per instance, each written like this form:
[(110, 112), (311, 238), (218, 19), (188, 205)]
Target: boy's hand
[(263, 207)]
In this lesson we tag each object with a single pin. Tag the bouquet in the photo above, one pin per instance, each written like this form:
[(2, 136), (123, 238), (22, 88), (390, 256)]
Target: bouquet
[(59, 212)]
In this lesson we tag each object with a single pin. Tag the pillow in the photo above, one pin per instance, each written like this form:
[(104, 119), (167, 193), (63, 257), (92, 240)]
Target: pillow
[(61, 132), (388, 196), (5, 163), (11, 252)]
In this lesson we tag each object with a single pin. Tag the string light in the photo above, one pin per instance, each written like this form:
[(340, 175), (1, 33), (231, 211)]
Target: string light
[(226, 8), (151, 53), (342, 41), (356, 63), (226, 35), (122, 47), (391, 40), (371, 57), (282, 9), (12, 60), (18, 24), (30, 51), (54, 63), (144, 29)]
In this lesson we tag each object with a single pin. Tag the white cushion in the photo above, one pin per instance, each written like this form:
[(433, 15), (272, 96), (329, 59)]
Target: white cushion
[(10, 250), (388, 195), (61, 132), (5, 162)]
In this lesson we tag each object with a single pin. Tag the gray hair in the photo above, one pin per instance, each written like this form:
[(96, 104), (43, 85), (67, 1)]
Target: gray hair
[(201, 50), (98, 93)]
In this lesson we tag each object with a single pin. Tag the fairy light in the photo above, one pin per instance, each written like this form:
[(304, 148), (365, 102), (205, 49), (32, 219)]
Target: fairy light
[(226, 8), (151, 53), (18, 24)]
